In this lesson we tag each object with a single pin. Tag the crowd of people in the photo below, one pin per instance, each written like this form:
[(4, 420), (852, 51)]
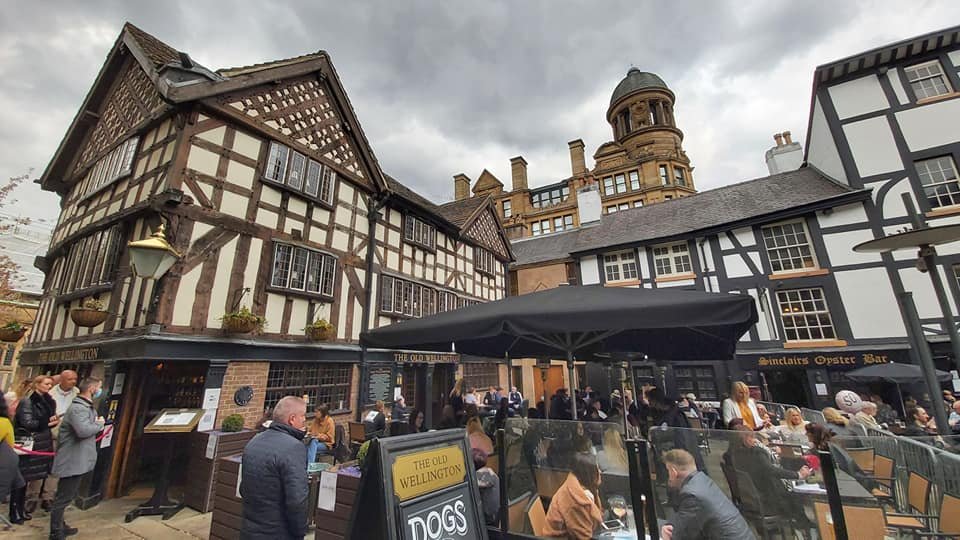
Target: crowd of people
[(48, 427)]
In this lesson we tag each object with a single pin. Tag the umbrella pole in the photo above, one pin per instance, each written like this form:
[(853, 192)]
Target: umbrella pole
[(573, 396), (903, 408), (926, 361)]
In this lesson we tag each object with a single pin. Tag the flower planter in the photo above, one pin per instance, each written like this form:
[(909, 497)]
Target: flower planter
[(316, 333), (88, 318), (239, 326), (11, 336)]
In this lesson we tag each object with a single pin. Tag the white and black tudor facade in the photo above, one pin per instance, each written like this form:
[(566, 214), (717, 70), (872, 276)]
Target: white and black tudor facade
[(267, 186), (882, 123)]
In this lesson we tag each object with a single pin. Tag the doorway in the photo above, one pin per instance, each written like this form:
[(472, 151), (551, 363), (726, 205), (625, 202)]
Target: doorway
[(443, 379), (543, 391), (788, 386)]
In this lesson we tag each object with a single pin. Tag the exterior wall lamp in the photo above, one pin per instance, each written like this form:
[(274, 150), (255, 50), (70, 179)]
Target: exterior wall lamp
[(151, 257)]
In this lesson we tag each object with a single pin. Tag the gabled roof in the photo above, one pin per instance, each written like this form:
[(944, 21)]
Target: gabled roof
[(487, 181), (178, 79), (410, 195), (460, 212), (545, 248)]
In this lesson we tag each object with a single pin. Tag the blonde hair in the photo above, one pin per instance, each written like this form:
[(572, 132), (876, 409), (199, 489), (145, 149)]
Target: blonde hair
[(474, 425), (681, 459), (833, 416), (613, 448), (737, 388), (457, 388)]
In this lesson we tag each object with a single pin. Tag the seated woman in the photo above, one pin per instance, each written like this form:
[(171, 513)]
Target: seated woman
[(820, 437), (478, 439), (417, 422), (792, 430), (760, 464), (613, 457), (575, 507), (839, 425), (323, 433)]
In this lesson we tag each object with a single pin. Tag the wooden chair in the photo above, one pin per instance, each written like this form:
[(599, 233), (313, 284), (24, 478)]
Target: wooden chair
[(537, 517), (918, 499), (864, 458), (863, 522), (549, 481), (883, 472), (516, 509), (950, 515), (358, 433)]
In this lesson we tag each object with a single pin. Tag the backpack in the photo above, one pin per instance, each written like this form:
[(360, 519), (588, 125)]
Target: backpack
[(341, 452)]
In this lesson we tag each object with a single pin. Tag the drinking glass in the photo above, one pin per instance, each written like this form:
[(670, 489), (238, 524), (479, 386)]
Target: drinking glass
[(618, 505)]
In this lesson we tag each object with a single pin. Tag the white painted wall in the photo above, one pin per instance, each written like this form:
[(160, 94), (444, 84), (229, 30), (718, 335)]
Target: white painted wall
[(893, 200), (589, 205), (954, 57), (848, 214), (822, 152), (893, 76), (745, 236), (589, 271), (645, 272), (923, 295), (221, 284), (870, 303), (859, 96), (736, 266), (930, 125), (840, 247), (872, 145)]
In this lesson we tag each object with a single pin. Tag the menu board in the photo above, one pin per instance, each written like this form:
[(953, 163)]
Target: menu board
[(419, 487), (381, 384), (174, 420)]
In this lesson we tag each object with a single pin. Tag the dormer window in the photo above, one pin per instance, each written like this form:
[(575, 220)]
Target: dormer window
[(297, 172)]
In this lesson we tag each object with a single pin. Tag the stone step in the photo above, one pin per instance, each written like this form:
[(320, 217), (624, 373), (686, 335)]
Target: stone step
[(151, 528)]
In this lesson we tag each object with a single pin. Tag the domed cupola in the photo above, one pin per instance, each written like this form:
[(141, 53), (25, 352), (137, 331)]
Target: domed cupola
[(636, 81), (641, 101)]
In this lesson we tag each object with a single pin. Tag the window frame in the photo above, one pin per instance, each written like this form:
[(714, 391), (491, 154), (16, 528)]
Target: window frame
[(634, 177), (620, 182), (325, 278), (664, 175), (608, 186), (797, 315), (618, 268), (679, 176), (417, 224), (507, 209), (337, 381), (953, 194), (811, 252), (484, 261), (111, 167), (91, 262), (671, 256), (279, 172), (942, 75)]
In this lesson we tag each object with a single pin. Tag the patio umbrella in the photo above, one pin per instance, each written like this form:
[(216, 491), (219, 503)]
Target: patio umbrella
[(665, 324), (894, 373)]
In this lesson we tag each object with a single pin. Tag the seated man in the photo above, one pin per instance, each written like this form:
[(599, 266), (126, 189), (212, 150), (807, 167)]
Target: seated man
[(702, 510), (375, 422)]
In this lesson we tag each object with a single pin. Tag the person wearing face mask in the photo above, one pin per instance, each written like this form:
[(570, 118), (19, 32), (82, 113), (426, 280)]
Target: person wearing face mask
[(76, 452), (273, 478)]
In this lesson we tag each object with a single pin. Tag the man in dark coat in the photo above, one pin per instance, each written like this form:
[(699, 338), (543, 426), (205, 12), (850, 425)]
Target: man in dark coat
[(702, 510), (560, 405), (76, 452), (273, 481)]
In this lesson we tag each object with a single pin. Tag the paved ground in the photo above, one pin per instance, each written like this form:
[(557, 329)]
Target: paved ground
[(106, 521)]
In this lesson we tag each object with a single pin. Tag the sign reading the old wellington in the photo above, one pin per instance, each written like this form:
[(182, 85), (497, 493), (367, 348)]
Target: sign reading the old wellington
[(425, 358), (419, 487), (80, 354), (431, 470)]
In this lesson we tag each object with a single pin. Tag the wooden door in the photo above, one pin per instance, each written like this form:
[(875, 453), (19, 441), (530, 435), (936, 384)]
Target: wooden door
[(554, 382)]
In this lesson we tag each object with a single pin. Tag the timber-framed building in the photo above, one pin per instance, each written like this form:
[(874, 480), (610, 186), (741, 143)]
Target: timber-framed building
[(266, 184)]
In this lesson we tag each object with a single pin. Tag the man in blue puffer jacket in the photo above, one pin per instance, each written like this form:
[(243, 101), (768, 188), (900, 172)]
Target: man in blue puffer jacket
[(273, 480)]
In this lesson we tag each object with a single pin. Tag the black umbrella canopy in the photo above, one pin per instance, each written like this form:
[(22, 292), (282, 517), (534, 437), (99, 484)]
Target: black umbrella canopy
[(893, 373), (664, 324)]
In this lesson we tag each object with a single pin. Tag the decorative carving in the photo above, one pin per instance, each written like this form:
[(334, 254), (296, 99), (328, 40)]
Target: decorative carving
[(640, 114), (301, 109), (132, 99)]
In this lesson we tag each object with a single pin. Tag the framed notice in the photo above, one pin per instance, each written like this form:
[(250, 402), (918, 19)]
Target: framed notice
[(174, 421), (419, 487)]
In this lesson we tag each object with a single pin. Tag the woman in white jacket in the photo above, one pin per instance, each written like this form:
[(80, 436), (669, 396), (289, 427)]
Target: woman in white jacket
[(741, 405)]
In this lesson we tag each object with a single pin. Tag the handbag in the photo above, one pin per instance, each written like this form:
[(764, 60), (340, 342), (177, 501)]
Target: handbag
[(21, 444)]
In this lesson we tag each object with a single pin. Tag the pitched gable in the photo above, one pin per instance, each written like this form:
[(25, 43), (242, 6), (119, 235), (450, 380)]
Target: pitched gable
[(486, 183), (132, 99), (301, 110), (487, 231)]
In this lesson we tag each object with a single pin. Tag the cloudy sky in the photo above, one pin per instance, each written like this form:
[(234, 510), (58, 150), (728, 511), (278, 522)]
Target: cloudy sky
[(449, 87)]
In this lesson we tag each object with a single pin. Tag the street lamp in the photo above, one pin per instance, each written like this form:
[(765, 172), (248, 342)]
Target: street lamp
[(151, 257)]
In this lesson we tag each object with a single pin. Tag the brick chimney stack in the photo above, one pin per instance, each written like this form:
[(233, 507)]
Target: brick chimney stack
[(786, 138), (461, 187), (518, 170), (779, 138), (578, 163), (785, 156)]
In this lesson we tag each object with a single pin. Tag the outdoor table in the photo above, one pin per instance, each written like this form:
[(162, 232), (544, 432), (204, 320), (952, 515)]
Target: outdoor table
[(850, 489), (629, 533)]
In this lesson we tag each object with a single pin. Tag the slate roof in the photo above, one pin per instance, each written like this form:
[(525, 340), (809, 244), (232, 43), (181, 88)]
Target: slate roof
[(395, 186), (458, 212), (157, 51), (635, 81), (548, 247), (240, 70), (713, 209)]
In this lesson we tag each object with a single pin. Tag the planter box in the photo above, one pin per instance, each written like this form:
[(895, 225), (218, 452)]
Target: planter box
[(336, 525), (202, 471), (227, 507)]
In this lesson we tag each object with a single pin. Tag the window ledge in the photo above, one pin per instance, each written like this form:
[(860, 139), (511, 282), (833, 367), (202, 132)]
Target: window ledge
[(676, 277), (318, 297), (815, 344), (935, 99), (623, 283), (805, 273), (941, 212)]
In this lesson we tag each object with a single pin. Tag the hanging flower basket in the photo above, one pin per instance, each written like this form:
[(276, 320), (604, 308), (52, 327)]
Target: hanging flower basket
[(12, 332), (242, 321), (88, 318), (320, 333)]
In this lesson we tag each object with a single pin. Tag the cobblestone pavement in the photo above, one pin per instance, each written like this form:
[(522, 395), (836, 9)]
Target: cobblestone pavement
[(106, 521)]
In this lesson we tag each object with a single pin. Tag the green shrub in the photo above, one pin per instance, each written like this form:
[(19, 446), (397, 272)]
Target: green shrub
[(232, 423)]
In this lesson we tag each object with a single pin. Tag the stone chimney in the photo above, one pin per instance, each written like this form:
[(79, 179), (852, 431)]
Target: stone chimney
[(461, 187), (588, 204), (578, 163), (785, 156), (518, 170)]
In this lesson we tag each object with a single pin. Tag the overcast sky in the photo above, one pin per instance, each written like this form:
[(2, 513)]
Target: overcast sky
[(448, 87)]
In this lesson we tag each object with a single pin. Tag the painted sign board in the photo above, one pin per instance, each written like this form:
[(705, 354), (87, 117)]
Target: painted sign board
[(419, 487)]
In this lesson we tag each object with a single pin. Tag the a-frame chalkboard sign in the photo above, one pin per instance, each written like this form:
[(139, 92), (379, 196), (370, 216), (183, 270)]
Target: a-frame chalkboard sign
[(419, 487)]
